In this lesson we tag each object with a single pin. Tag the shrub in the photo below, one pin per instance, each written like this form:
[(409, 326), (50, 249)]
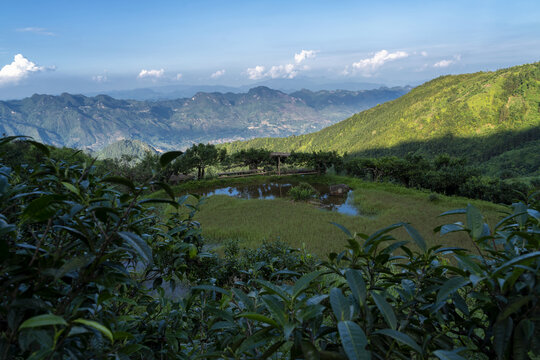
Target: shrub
[(302, 192), (89, 270)]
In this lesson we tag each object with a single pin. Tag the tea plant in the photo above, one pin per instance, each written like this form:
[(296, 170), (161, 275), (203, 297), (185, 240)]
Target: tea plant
[(90, 269)]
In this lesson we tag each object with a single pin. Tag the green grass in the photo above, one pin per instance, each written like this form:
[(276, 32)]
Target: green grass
[(299, 223)]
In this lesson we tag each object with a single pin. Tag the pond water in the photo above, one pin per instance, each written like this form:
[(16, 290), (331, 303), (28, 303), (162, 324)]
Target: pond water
[(342, 204)]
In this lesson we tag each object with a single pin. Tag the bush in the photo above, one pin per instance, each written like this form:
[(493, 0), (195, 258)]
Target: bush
[(303, 192), (83, 269)]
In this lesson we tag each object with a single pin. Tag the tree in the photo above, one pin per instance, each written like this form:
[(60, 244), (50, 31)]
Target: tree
[(200, 156), (253, 158)]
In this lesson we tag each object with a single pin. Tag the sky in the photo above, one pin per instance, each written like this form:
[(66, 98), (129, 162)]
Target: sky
[(88, 46)]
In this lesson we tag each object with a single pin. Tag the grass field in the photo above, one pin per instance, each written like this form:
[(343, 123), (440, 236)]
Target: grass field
[(299, 223)]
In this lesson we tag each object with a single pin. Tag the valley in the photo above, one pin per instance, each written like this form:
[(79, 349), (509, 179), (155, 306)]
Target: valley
[(91, 123)]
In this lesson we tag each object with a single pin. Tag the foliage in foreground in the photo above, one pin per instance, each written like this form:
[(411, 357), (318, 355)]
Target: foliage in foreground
[(90, 271)]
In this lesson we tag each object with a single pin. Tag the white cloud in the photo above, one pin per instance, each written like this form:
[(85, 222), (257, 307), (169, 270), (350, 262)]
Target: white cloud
[(282, 71), (423, 53), (443, 63), (376, 61), (100, 78), (256, 73), (303, 55), (156, 74), (286, 71), (19, 69), (218, 74), (178, 77), (447, 62), (36, 30)]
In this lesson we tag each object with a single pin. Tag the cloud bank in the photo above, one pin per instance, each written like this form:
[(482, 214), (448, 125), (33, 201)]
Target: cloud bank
[(19, 69), (218, 74), (287, 71), (155, 74), (303, 55)]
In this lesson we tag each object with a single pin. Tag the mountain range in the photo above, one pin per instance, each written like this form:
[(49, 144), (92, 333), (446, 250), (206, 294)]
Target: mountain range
[(171, 92), (93, 122), (492, 118)]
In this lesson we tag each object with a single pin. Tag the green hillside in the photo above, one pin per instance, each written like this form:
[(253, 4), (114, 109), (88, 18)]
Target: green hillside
[(133, 148), (481, 116)]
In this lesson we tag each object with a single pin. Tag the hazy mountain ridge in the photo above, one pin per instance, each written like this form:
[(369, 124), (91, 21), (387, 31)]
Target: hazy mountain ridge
[(94, 122), (480, 115)]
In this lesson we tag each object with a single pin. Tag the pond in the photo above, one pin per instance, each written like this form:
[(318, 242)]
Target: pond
[(343, 204)]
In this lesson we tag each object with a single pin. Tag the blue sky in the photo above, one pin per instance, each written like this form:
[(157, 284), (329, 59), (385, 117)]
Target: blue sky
[(83, 46)]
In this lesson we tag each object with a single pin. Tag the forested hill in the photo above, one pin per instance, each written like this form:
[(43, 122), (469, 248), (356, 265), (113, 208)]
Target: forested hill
[(132, 148), (93, 122), (486, 116)]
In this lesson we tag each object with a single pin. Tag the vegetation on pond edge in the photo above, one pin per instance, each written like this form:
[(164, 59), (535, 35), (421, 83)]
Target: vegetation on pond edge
[(300, 224), (87, 270)]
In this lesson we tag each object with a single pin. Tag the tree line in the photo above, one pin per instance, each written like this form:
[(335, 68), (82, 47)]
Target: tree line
[(442, 174)]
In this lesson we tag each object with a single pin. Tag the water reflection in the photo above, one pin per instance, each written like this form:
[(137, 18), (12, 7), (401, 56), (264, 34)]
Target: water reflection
[(342, 204)]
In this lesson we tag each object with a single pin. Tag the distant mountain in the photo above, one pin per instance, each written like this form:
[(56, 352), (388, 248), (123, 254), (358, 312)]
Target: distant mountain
[(94, 122), (170, 92), (493, 118), (132, 148)]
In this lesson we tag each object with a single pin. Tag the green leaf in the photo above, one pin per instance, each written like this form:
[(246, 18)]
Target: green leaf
[(276, 308), (418, 239), (357, 285), (271, 350), (159, 201), (309, 351), (502, 330), (522, 339), (514, 306), (450, 286), (71, 188), (466, 262), (261, 318), (381, 232), (386, 310), (273, 289), (450, 228), (401, 337), (454, 212), (169, 156), (43, 320), (211, 288), (119, 180), (475, 222), (303, 283), (167, 189), (354, 340), (73, 264), (42, 208), (99, 327), (41, 147), (344, 229), (7, 139), (340, 305), (138, 244), (448, 355), (192, 253), (515, 261)]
